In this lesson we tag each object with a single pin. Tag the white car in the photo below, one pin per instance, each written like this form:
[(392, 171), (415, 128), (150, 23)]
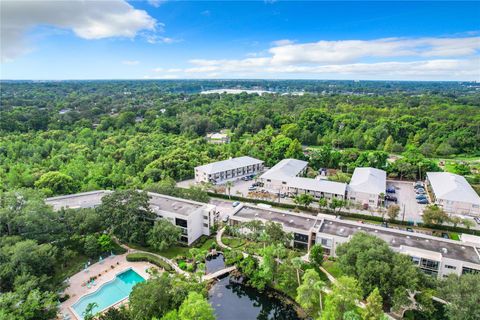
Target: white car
[(236, 203)]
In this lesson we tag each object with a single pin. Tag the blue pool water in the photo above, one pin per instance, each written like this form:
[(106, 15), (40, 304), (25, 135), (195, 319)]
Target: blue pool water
[(109, 293)]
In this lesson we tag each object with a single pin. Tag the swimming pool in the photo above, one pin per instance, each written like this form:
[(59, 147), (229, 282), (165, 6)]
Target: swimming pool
[(109, 293)]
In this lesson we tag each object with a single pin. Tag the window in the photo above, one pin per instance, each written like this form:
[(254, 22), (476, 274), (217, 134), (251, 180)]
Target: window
[(284, 182), (447, 266), (300, 237), (268, 180), (205, 225), (469, 270), (181, 222)]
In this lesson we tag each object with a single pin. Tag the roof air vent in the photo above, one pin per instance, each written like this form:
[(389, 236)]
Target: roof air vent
[(444, 250)]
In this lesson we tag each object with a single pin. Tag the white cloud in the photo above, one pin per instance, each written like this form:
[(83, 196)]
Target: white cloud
[(156, 3), (153, 39), (282, 42), (393, 58), (130, 62), (87, 19)]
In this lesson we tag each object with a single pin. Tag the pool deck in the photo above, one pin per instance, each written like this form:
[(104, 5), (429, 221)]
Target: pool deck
[(78, 289)]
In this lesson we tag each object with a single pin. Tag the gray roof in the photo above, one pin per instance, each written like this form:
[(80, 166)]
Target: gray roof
[(396, 238), (288, 219), (229, 164), (78, 200), (318, 185), (285, 169), (158, 202), (368, 180), (452, 187)]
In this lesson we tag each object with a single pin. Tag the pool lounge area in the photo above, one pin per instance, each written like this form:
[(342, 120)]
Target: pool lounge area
[(111, 287), (108, 294)]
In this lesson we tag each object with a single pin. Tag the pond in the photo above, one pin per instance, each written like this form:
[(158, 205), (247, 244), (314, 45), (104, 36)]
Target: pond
[(232, 300), (214, 263)]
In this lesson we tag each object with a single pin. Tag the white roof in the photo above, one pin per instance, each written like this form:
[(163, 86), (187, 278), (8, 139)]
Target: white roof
[(318, 185), (285, 169), (449, 186), (368, 180), (229, 164)]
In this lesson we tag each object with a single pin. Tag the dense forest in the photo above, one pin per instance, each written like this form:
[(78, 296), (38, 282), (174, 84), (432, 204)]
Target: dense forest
[(81, 135)]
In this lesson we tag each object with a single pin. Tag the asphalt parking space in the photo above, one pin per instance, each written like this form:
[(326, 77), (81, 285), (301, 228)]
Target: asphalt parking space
[(410, 210)]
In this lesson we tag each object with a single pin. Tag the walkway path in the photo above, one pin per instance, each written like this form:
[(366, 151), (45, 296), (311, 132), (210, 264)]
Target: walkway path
[(168, 261), (218, 273)]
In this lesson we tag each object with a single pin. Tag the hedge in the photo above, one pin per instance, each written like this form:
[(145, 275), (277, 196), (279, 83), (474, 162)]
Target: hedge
[(346, 214), (140, 256)]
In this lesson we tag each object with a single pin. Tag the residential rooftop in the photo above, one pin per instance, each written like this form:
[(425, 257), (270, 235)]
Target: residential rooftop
[(229, 164), (368, 180), (78, 200), (285, 170), (297, 221), (396, 238), (158, 202), (452, 187)]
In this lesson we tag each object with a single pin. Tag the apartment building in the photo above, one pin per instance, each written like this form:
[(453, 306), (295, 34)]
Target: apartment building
[(277, 178), (435, 256), (193, 218), (453, 193), (367, 186), (317, 188), (228, 170)]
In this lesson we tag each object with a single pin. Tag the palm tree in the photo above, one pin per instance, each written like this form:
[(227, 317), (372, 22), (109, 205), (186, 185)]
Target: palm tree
[(319, 286), (229, 185), (297, 264)]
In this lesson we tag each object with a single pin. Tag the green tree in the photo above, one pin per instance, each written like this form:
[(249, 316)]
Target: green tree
[(316, 255), (462, 294), (309, 293), (105, 242), (343, 298), (303, 199), (56, 183), (373, 308), (91, 246), (88, 314), (195, 307), (128, 215), (322, 203), (370, 260), (433, 214), (393, 211), (163, 235)]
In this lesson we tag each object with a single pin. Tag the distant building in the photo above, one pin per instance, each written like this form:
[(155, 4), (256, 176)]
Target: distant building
[(317, 188), (433, 255), (277, 177), (218, 138), (453, 193), (366, 186), (231, 169), (193, 218)]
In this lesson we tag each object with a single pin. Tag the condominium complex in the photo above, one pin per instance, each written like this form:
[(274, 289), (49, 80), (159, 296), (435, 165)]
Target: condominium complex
[(367, 186), (228, 170), (436, 256), (277, 178), (317, 188), (453, 193), (193, 218)]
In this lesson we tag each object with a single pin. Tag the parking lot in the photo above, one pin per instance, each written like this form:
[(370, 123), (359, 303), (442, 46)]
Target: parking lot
[(405, 194)]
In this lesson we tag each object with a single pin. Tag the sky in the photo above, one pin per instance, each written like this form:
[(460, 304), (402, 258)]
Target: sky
[(157, 39)]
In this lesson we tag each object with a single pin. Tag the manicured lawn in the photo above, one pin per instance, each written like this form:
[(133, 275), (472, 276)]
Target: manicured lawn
[(175, 251), (332, 268), (233, 242)]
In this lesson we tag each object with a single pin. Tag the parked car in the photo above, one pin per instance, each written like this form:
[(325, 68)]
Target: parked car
[(390, 198), (409, 229), (420, 190), (422, 201), (252, 188), (236, 203), (390, 189), (477, 220), (445, 235), (420, 196), (418, 184), (225, 219)]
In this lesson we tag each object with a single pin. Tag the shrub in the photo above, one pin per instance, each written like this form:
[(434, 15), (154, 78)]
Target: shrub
[(134, 257)]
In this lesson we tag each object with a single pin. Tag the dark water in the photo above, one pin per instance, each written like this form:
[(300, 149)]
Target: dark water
[(214, 263), (234, 301)]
